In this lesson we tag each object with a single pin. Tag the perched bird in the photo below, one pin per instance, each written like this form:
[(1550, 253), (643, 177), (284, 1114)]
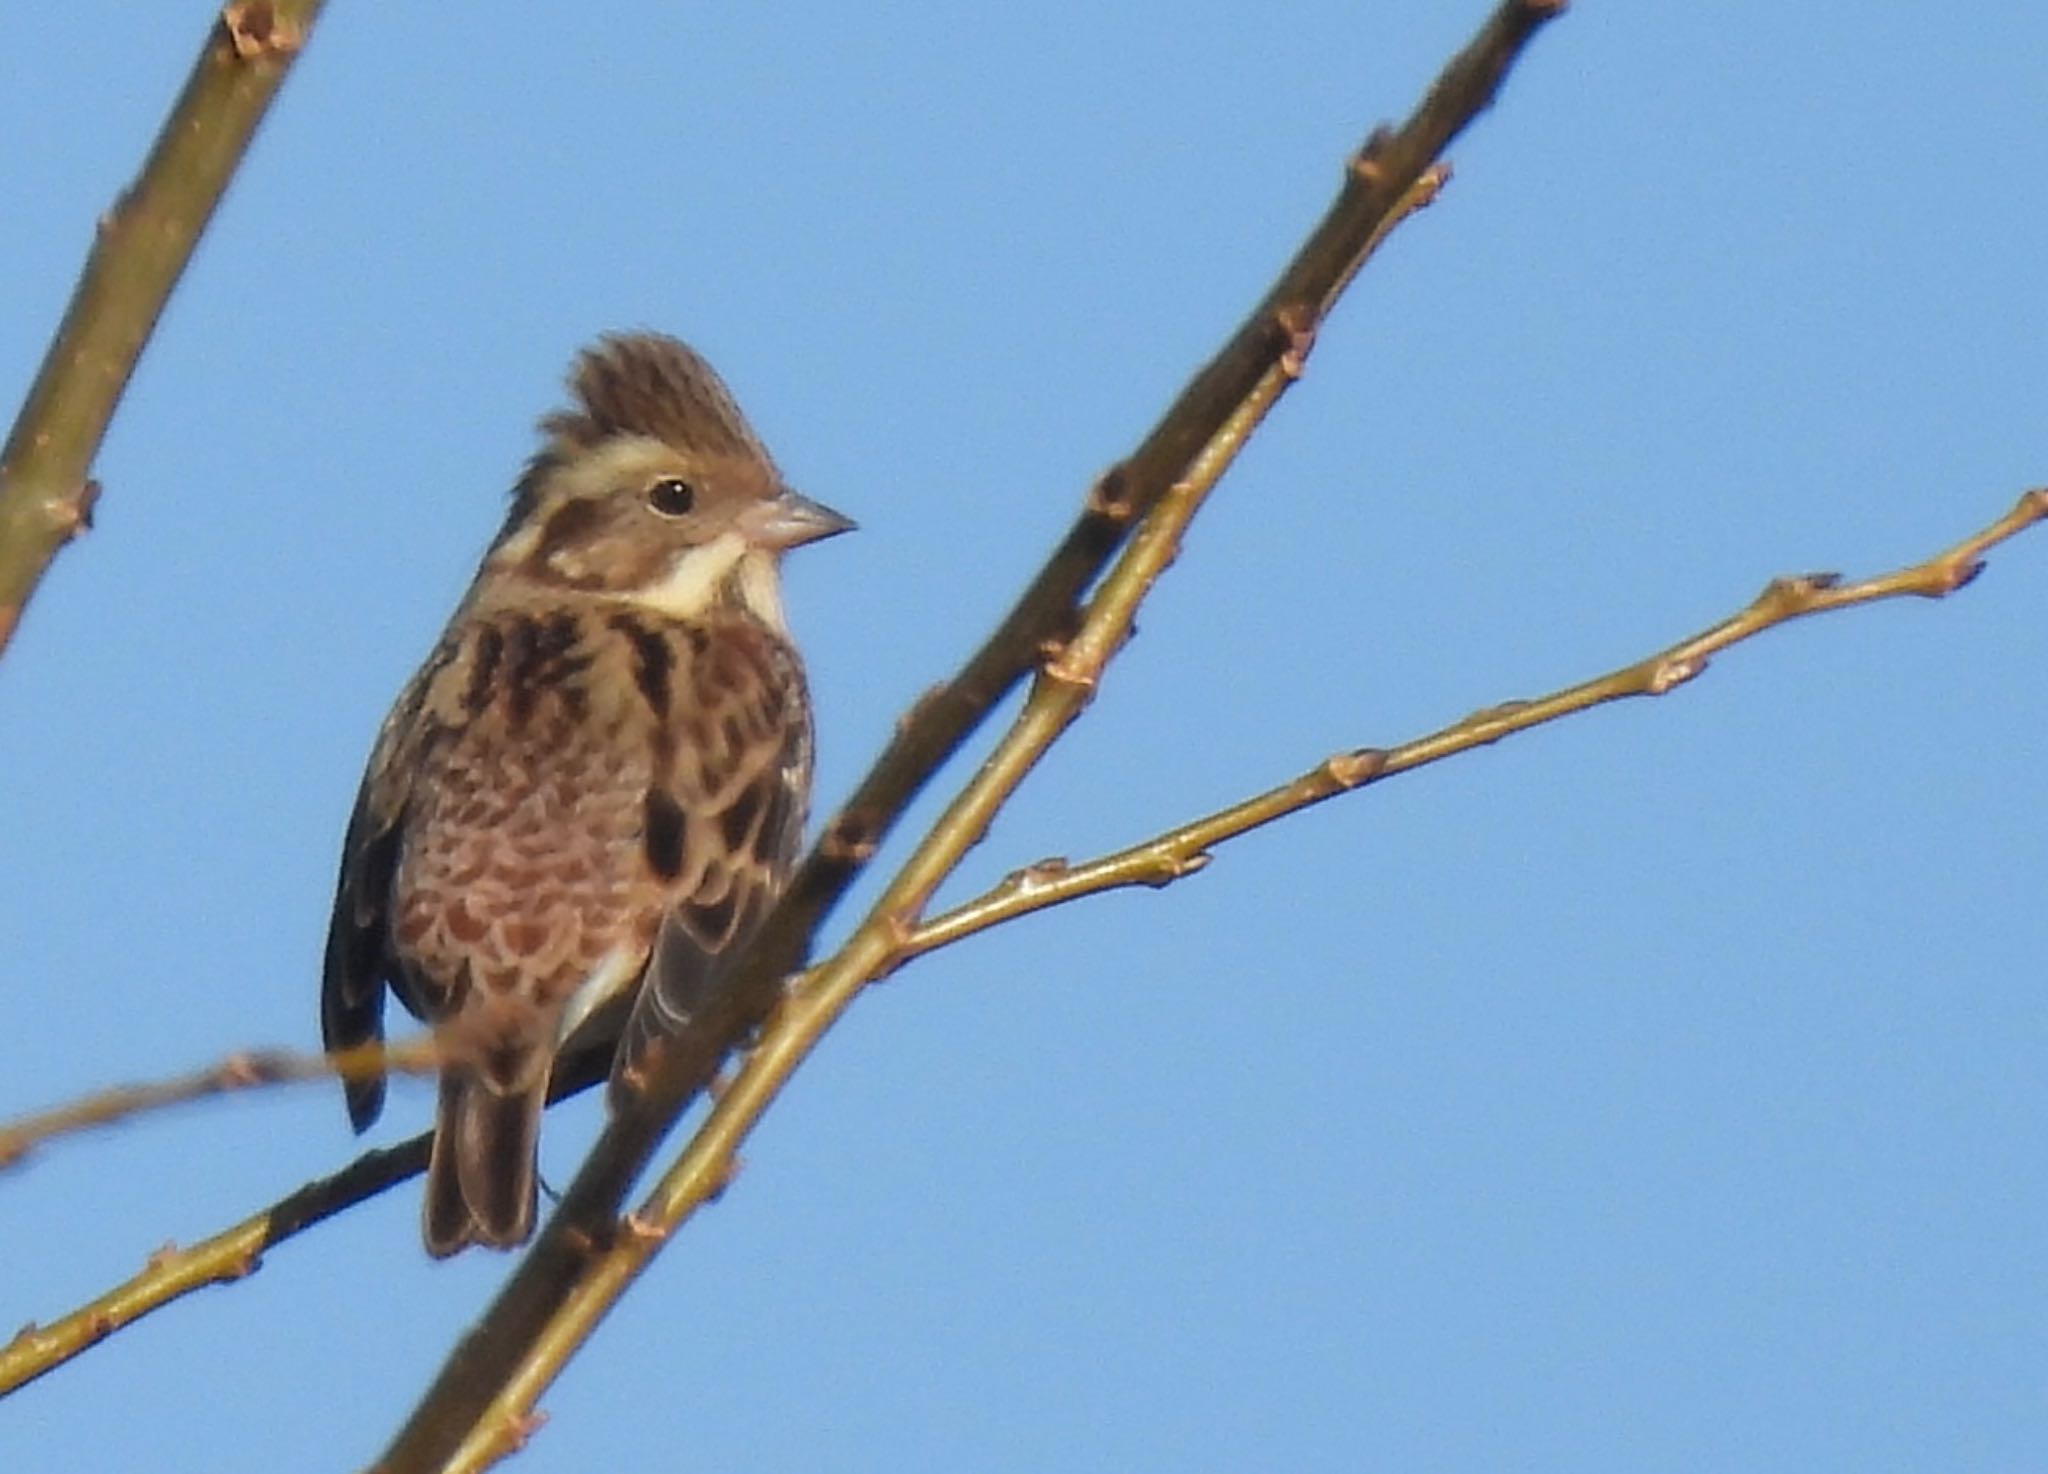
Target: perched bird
[(614, 724)]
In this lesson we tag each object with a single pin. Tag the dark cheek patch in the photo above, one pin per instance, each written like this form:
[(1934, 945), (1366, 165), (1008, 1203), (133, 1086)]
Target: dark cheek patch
[(571, 523), (662, 835)]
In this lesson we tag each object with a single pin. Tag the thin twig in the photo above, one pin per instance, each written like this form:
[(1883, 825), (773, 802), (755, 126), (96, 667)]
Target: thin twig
[(171, 1272), (239, 1071), (235, 1252), (143, 244), (1181, 851)]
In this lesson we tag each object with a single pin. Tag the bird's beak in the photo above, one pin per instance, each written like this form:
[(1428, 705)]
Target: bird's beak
[(789, 521)]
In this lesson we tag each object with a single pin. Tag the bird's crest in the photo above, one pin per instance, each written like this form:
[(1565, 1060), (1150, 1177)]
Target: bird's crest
[(649, 384)]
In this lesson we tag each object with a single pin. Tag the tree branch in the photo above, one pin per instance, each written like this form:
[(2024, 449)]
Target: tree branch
[(229, 1255), (237, 1252), (581, 1261), (239, 1071), (143, 244), (1066, 681), (1181, 851)]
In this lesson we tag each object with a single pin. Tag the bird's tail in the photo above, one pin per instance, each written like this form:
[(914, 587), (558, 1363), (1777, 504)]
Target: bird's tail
[(480, 1176)]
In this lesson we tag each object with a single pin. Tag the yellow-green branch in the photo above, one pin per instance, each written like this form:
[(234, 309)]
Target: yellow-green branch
[(229, 1255), (478, 1407), (239, 1071), (1165, 858), (144, 242)]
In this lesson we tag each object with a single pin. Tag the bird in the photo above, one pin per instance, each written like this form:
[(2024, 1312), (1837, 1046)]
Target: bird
[(613, 728)]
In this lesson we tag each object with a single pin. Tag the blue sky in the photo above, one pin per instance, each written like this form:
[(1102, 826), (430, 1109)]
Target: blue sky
[(1661, 1090)]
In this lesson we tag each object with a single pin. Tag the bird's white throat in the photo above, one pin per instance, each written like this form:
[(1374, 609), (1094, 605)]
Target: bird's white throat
[(692, 583)]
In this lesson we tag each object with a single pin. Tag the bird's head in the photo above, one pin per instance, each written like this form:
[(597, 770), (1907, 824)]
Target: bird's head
[(654, 489)]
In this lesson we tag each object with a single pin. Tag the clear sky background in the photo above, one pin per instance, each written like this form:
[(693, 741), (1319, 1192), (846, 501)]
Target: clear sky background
[(1659, 1091)]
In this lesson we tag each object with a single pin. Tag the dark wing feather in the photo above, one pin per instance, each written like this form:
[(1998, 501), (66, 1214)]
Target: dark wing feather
[(358, 961), (352, 983), (742, 808)]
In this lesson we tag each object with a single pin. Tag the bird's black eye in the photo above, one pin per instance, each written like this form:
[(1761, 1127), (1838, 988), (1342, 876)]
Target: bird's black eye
[(672, 496)]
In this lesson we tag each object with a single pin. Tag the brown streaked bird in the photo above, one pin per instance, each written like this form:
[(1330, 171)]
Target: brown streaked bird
[(614, 723)]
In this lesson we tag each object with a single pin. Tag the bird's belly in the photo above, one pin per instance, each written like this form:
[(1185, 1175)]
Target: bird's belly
[(525, 871)]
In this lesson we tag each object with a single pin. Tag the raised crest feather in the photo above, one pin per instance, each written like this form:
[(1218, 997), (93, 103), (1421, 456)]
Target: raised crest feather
[(653, 385)]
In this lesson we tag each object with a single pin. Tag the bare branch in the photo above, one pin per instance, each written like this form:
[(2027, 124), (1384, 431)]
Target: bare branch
[(143, 244), (229, 1255), (470, 1415), (235, 1252), (1183, 850), (1065, 684), (239, 1071)]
